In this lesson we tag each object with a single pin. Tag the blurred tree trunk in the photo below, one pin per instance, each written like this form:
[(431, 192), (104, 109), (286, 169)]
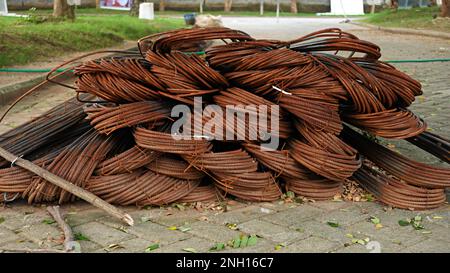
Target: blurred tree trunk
[(432, 3), (294, 6), (445, 8), (62, 9), (134, 11), (162, 5), (394, 5), (228, 4)]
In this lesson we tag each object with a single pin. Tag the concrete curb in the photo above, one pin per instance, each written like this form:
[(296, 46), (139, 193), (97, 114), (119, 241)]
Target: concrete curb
[(427, 33)]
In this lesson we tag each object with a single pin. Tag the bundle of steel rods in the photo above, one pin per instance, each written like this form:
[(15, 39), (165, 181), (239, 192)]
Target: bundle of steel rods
[(323, 90)]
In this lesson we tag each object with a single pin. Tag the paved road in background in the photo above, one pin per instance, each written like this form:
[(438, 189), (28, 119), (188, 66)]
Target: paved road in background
[(292, 227)]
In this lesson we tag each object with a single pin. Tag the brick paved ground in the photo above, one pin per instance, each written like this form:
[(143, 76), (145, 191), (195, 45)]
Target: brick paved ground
[(292, 227)]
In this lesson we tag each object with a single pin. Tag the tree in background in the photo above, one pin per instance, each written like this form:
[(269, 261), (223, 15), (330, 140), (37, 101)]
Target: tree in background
[(61, 8), (394, 5), (294, 6), (162, 5), (228, 4), (134, 10), (445, 8)]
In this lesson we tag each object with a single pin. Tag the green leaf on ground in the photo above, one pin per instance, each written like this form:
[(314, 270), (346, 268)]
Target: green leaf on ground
[(48, 221), (252, 240), (151, 247), (232, 226), (244, 241), (172, 228), (218, 246), (190, 249), (404, 223), (2, 219), (374, 220), (333, 224), (80, 237), (237, 242), (184, 228)]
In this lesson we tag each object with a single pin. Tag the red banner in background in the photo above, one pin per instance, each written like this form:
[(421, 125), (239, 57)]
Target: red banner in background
[(116, 4)]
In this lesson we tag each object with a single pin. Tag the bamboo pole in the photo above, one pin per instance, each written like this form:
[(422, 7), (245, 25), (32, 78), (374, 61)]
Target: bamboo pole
[(66, 185)]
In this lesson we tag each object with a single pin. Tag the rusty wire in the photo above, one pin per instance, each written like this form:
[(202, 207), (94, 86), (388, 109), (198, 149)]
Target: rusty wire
[(127, 154)]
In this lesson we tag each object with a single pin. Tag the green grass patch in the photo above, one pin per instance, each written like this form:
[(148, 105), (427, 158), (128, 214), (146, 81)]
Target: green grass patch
[(22, 42), (417, 18)]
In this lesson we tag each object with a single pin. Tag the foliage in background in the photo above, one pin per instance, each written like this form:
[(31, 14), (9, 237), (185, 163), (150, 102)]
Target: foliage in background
[(23, 41), (419, 18)]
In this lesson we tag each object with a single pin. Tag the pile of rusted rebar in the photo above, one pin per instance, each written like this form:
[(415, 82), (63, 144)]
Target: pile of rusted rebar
[(114, 139)]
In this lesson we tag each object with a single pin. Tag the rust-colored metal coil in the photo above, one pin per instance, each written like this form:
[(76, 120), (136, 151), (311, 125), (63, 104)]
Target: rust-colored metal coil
[(235, 172), (76, 164), (434, 144), (134, 69), (334, 39), (334, 166), (207, 193), (317, 189), (174, 167), (107, 119), (42, 130), (126, 161), (280, 162), (142, 188), (129, 151), (393, 123), (397, 193), (408, 170), (165, 142)]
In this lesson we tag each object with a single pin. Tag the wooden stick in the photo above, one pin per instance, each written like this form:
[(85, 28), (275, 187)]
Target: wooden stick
[(70, 245), (66, 185)]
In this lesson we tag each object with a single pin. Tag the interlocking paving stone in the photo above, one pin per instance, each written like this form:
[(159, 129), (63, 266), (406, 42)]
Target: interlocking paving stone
[(41, 232), (294, 216), (429, 246), (199, 244), (344, 216), (330, 205), (241, 215), (21, 220), (7, 235), (84, 216), (157, 233), (271, 231), (213, 232), (19, 246), (311, 245), (262, 246), (101, 234), (89, 246), (323, 230)]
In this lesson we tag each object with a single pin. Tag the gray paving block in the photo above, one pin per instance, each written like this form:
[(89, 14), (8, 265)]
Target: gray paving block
[(7, 235), (344, 216), (429, 246), (75, 218), (330, 205), (311, 245), (273, 232), (199, 244), (295, 216), (157, 233), (213, 232), (240, 215), (101, 234)]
